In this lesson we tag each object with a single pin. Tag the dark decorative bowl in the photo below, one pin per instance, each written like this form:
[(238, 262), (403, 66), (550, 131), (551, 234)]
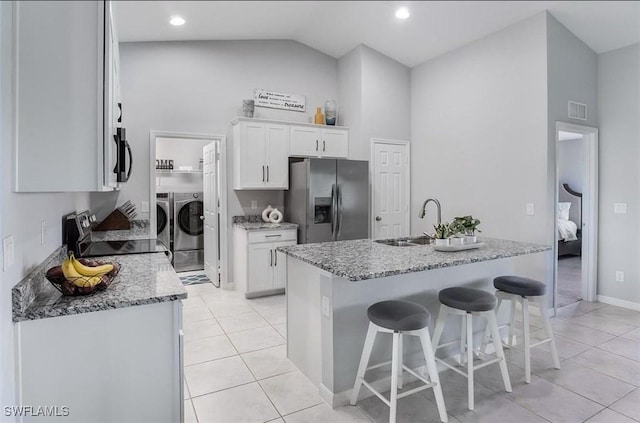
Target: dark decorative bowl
[(67, 287)]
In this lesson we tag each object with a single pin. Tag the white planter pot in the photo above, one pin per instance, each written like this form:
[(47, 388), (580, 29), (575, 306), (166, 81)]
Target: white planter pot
[(442, 242), (457, 240), (470, 239)]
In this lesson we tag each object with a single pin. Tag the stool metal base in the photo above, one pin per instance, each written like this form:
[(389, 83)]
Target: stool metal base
[(397, 370)]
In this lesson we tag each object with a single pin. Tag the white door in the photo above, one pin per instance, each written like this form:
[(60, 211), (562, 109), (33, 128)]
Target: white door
[(253, 172), (390, 190), (280, 265), (210, 187), (277, 156)]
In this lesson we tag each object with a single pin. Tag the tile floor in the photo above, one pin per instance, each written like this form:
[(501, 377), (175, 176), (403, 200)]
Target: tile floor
[(237, 371), (569, 280)]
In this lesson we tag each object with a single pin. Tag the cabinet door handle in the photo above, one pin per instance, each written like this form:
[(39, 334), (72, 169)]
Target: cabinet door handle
[(316, 145), (262, 173), (270, 258), (273, 236), (267, 173), (275, 255), (324, 145)]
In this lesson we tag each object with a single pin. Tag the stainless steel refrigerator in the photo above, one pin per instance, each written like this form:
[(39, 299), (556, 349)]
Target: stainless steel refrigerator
[(328, 199)]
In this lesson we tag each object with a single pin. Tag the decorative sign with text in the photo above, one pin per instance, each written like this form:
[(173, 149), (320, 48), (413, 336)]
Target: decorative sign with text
[(274, 100)]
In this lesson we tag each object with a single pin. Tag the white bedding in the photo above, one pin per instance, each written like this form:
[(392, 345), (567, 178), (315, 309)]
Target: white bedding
[(567, 230)]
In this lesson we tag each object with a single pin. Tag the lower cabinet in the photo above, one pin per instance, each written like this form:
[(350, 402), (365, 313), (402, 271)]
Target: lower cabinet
[(119, 365), (258, 268)]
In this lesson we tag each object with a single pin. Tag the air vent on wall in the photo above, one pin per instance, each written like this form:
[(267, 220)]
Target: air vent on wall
[(577, 110)]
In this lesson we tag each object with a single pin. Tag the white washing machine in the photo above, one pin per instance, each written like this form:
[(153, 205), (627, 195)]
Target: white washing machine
[(188, 231), (164, 218)]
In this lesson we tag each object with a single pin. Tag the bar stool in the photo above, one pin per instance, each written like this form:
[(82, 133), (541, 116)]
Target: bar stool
[(399, 318), (514, 289), (469, 302)]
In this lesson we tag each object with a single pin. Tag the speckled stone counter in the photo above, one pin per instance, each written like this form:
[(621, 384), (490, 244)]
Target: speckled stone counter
[(255, 223), (143, 279), (365, 259), (140, 229)]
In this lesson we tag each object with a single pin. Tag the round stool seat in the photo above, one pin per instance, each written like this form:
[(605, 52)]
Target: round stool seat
[(399, 315), (520, 286), (468, 299)]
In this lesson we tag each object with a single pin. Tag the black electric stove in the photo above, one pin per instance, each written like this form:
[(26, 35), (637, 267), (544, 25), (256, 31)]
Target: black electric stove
[(112, 248)]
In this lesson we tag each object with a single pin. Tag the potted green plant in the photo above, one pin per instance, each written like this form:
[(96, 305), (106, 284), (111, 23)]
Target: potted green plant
[(442, 233), (470, 225), (457, 233)]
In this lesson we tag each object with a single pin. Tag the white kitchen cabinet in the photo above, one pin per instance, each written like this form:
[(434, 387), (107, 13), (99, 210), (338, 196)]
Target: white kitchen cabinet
[(309, 141), (261, 152), (119, 365), (65, 86), (258, 268)]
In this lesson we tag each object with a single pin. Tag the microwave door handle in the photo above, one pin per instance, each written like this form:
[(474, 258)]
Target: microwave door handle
[(116, 139), (126, 144)]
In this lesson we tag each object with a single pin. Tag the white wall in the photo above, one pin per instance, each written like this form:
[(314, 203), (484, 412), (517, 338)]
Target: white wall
[(21, 215), (375, 91), (572, 163), (619, 116), (466, 107)]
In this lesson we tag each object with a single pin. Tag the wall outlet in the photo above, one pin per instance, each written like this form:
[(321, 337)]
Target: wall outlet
[(619, 276), (43, 232), (7, 251), (144, 207), (326, 306), (620, 208), (254, 204), (531, 209)]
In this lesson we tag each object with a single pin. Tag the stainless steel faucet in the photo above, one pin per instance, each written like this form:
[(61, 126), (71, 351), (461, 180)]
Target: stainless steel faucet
[(423, 212)]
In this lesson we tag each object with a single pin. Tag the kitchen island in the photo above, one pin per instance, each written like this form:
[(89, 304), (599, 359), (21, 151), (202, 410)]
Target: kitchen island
[(331, 285)]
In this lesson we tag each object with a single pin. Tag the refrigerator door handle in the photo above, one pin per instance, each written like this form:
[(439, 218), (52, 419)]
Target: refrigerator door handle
[(339, 212), (334, 206)]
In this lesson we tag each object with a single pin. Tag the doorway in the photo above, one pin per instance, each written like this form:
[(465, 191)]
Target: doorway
[(195, 168), (390, 188), (576, 199)]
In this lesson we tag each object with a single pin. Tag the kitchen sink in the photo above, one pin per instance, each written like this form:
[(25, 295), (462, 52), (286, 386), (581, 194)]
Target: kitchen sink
[(420, 241), (396, 242)]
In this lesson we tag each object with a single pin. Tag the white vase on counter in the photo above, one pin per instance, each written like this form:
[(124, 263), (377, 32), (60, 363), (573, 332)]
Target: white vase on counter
[(275, 216), (457, 240), (442, 242), (266, 212)]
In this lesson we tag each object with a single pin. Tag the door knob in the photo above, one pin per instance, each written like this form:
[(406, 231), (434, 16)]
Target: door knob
[(378, 218), (201, 217)]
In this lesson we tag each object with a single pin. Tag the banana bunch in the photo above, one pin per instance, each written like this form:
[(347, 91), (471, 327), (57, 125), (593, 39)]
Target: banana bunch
[(81, 275)]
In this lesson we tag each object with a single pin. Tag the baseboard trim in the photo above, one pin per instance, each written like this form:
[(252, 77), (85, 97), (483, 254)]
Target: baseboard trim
[(619, 303)]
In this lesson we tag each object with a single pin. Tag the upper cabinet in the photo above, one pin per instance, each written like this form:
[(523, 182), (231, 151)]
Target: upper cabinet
[(262, 149), (309, 141), (66, 96)]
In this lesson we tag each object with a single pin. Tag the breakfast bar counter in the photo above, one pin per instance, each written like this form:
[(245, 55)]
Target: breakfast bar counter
[(330, 286)]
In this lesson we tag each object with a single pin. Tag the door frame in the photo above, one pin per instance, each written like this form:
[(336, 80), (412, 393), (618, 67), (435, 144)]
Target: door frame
[(372, 180), (589, 211), (222, 211)]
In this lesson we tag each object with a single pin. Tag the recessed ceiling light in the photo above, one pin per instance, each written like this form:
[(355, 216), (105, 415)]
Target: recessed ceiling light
[(176, 21), (402, 13)]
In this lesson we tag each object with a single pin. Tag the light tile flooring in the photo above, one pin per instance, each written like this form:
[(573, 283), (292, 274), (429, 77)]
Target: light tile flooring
[(237, 371)]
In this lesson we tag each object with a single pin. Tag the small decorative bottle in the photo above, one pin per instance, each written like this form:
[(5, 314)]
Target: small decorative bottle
[(319, 118), (330, 111)]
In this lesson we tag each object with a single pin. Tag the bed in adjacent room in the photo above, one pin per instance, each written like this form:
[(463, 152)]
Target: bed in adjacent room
[(569, 221)]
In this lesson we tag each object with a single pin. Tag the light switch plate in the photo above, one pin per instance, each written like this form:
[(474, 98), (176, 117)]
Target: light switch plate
[(619, 276), (144, 207), (43, 232), (254, 204), (7, 251), (326, 307), (531, 209), (620, 208)]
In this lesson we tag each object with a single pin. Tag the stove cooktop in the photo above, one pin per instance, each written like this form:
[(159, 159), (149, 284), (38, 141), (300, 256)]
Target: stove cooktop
[(132, 246)]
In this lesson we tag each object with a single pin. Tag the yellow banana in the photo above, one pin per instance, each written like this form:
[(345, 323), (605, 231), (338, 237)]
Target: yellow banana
[(73, 276), (90, 271)]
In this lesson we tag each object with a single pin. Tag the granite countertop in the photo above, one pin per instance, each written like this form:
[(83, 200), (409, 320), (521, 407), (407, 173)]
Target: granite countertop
[(255, 223), (143, 279), (365, 259)]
